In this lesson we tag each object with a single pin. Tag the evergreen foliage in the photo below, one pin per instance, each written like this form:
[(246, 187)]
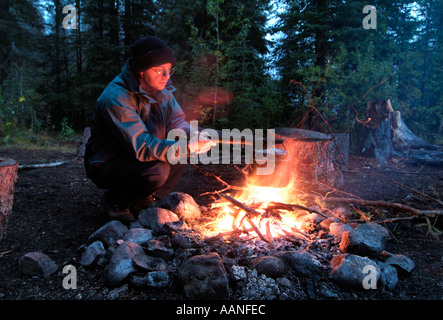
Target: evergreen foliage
[(317, 74)]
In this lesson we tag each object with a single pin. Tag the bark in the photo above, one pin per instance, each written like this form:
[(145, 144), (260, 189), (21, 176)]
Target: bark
[(8, 178), (313, 157), (387, 135), (378, 142)]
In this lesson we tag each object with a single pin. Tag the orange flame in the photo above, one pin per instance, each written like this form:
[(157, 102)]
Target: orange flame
[(231, 219)]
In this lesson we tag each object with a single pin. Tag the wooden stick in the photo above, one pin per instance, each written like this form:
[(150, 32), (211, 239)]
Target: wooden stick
[(257, 231), (240, 204), (269, 234), (409, 188), (248, 211), (287, 206)]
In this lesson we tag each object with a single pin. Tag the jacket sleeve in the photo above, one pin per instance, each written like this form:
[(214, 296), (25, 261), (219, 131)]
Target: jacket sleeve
[(177, 117), (127, 126)]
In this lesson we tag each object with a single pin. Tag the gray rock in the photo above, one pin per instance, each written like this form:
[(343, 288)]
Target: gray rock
[(151, 280), (270, 266), (309, 219), (351, 270), (158, 249), (388, 277), (316, 218), (109, 233), (342, 213), (148, 263), (181, 204), (204, 278), (303, 264), (138, 235), (135, 224), (337, 229), (325, 224), (38, 264), (402, 263), (366, 240), (121, 266), (155, 218), (180, 241), (92, 254)]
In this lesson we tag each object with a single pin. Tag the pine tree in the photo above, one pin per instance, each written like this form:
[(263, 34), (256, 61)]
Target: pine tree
[(220, 47)]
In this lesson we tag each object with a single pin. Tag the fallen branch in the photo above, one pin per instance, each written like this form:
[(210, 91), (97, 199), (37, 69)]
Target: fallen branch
[(392, 205), (41, 165), (408, 188)]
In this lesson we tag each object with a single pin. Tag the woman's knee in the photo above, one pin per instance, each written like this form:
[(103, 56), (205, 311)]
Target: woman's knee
[(156, 173)]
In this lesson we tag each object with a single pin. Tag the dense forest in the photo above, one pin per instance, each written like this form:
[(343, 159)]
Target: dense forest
[(309, 64)]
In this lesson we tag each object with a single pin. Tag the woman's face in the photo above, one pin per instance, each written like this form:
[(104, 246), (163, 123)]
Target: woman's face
[(157, 77)]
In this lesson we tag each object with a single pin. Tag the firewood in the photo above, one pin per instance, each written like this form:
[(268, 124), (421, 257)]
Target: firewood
[(249, 211), (287, 206), (269, 234), (41, 165)]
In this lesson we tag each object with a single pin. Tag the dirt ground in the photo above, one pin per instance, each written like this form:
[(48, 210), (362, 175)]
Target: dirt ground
[(56, 209)]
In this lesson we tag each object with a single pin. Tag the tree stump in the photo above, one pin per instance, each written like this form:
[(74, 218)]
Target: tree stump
[(378, 140), (8, 178), (386, 135), (314, 157)]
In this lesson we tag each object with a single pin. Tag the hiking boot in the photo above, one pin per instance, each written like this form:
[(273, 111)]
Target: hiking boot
[(113, 212)]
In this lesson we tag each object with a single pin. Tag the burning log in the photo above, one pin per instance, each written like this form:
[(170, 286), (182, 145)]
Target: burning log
[(249, 211), (269, 237), (287, 206)]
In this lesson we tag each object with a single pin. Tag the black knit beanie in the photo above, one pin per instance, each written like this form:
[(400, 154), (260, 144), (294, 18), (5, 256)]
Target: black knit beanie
[(149, 52)]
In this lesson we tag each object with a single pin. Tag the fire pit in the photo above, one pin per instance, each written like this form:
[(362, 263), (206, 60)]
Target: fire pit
[(272, 238), (258, 242)]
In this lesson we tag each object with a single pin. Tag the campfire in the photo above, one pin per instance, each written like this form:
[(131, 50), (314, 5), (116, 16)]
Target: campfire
[(262, 211), (261, 239)]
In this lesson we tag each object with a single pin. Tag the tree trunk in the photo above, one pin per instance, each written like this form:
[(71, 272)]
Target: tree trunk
[(378, 142), (386, 135), (8, 178)]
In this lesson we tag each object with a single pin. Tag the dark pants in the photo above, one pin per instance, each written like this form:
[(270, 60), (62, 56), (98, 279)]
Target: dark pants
[(129, 180)]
